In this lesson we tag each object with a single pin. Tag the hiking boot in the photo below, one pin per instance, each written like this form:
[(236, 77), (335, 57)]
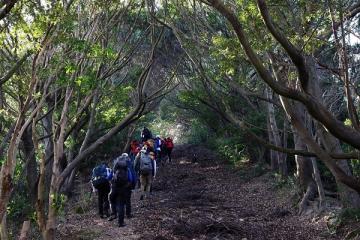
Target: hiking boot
[(121, 225), (142, 197), (112, 217)]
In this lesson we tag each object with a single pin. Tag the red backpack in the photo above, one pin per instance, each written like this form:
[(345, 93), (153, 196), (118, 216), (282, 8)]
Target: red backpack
[(169, 143)]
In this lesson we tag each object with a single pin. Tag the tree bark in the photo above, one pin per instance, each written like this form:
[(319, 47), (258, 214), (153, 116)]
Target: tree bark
[(3, 229), (319, 184), (54, 195), (348, 196), (303, 174), (280, 158), (129, 136), (31, 166), (24, 230)]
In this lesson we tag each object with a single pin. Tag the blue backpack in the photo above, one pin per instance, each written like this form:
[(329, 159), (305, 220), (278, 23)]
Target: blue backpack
[(132, 177), (99, 175)]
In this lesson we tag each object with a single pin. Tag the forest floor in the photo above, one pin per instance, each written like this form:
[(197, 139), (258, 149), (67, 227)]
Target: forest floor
[(207, 199)]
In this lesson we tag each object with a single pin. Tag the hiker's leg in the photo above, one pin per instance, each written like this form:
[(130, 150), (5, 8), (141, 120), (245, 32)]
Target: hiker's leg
[(120, 210), (128, 203), (101, 200), (106, 198), (148, 184), (169, 154), (112, 199), (143, 186)]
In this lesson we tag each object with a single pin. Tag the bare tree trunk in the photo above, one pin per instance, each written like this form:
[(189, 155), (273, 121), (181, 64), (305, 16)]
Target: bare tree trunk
[(69, 182), (304, 176), (40, 203), (284, 164), (274, 164), (54, 195), (3, 229), (24, 230), (31, 166), (130, 133), (318, 183), (280, 159), (49, 147), (348, 196)]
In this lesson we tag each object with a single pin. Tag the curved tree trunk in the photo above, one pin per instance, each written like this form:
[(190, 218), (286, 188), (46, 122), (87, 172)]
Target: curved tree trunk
[(304, 175), (348, 196), (319, 184), (130, 133)]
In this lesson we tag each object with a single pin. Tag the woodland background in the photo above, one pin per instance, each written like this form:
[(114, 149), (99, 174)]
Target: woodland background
[(267, 83)]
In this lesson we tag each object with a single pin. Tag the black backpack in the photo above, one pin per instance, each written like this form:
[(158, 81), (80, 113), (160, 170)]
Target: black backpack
[(120, 177)]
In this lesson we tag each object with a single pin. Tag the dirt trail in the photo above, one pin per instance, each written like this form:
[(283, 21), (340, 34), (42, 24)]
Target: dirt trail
[(202, 200)]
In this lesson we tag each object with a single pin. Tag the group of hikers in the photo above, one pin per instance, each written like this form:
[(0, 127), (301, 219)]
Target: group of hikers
[(114, 186)]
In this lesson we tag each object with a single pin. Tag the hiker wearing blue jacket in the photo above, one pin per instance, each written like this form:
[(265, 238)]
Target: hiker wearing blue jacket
[(157, 148)]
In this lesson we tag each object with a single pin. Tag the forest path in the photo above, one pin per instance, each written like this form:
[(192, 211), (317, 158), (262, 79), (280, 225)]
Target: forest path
[(202, 200)]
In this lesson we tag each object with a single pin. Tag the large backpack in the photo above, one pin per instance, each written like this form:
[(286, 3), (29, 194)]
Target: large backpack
[(99, 176), (146, 134), (120, 178), (120, 162), (169, 143), (145, 164)]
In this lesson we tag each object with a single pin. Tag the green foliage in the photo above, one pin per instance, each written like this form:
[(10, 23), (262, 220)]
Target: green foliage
[(19, 207), (58, 202), (280, 182), (349, 215), (199, 133), (249, 172), (235, 153), (118, 100), (355, 165)]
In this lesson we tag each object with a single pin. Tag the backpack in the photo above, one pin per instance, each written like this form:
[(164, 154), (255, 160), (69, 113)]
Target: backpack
[(145, 164), (99, 176), (120, 162), (146, 133), (120, 177), (169, 143)]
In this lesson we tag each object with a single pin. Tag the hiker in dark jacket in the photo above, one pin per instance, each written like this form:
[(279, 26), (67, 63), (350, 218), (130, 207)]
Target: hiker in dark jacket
[(132, 179), (100, 181), (145, 165), (123, 182), (145, 134)]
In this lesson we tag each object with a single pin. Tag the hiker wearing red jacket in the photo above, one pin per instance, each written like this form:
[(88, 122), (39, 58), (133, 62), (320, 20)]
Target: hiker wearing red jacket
[(169, 147), (134, 149)]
